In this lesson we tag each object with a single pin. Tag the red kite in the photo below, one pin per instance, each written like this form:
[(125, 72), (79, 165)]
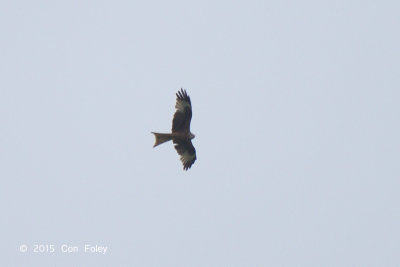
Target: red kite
[(181, 135)]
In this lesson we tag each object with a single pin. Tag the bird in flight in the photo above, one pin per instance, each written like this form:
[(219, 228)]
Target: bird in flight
[(181, 135)]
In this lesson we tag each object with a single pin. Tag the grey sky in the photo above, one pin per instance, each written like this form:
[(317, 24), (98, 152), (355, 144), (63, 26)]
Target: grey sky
[(296, 116)]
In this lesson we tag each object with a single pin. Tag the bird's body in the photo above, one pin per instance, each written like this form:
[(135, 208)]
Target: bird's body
[(181, 135)]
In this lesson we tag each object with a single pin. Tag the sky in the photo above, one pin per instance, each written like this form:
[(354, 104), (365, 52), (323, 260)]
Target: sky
[(296, 116)]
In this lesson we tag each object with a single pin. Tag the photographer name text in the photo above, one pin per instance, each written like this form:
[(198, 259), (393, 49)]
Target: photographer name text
[(64, 248)]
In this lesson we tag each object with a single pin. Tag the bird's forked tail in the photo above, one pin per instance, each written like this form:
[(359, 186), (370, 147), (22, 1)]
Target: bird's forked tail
[(162, 138)]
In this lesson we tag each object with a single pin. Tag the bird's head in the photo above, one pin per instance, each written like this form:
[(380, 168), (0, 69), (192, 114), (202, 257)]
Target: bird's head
[(191, 136)]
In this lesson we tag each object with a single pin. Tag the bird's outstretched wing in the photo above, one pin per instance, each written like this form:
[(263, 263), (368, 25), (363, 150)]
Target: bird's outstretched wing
[(187, 152), (183, 114)]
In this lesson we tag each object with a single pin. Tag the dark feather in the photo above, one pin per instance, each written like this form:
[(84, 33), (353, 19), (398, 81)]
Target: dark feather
[(187, 152), (183, 114)]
